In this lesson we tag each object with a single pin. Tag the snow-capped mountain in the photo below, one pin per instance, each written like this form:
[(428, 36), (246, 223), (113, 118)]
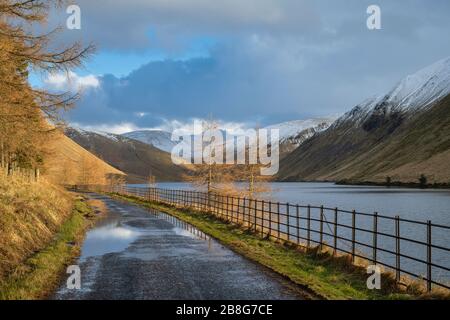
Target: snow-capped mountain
[(398, 136), (75, 130), (292, 134), (297, 131), (157, 138), (137, 159), (423, 88), (413, 93)]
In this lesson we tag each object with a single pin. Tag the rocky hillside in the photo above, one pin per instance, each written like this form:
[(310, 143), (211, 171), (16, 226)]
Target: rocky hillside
[(401, 135), (294, 133)]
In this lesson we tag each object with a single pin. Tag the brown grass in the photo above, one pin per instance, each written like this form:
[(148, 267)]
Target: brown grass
[(69, 163), (31, 214)]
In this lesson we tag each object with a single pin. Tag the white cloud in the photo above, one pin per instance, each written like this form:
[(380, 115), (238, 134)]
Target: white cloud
[(71, 81), (118, 128), (187, 127), (184, 127)]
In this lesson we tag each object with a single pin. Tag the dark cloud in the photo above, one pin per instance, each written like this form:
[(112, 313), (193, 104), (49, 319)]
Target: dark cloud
[(272, 61)]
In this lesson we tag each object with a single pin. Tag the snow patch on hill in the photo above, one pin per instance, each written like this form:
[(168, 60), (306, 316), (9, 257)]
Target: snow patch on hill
[(157, 138), (297, 131), (415, 92)]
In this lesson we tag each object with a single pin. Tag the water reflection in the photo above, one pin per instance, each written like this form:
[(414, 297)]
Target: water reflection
[(108, 237), (181, 227)]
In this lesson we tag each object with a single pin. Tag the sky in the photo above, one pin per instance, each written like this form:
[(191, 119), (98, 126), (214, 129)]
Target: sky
[(162, 63)]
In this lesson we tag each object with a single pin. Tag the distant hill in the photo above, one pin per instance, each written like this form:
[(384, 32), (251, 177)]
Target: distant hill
[(69, 163), (401, 135), (157, 138), (292, 134), (137, 159)]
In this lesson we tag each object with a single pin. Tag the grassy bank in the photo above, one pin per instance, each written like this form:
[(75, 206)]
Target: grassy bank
[(321, 274), (39, 275), (40, 227), (31, 214)]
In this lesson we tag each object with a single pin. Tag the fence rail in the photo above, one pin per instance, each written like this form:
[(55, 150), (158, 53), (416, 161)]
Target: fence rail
[(380, 239)]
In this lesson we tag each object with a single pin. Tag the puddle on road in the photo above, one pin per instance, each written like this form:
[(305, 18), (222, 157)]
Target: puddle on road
[(108, 236)]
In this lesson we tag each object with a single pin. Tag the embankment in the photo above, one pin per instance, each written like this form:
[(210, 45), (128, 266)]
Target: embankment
[(40, 228)]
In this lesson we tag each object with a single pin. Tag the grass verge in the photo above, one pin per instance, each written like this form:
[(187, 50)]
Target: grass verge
[(38, 275), (319, 273)]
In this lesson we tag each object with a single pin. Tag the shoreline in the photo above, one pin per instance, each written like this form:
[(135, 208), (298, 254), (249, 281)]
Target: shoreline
[(411, 185)]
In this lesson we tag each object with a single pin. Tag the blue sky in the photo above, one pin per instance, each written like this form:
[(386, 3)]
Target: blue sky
[(162, 63)]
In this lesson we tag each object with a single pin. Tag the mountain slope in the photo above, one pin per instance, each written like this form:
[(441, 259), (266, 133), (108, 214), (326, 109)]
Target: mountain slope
[(400, 135), (138, 160), (294, 133), (157, 138), (69, 163)]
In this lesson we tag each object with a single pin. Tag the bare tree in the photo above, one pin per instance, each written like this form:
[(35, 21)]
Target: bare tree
[(25, 111)]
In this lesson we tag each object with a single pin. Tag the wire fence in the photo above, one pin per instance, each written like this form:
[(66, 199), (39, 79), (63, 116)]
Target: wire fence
[(418, 249)]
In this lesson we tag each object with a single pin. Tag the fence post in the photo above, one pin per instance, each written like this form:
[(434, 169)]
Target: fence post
[(375, 238), (220, 205), (321, 229), (238, 210), (256, 213), (429, 270), (247, 215), (297, 210), (353, 235), (216, 204), (263, 218), (234, 209), (308, 227), (335, 230), (287, 222), (278, 224), (227, 212), (270, 219), (397, 248)]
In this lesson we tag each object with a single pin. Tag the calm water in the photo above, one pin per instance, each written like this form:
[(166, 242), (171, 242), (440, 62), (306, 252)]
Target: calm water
[(414, 204)]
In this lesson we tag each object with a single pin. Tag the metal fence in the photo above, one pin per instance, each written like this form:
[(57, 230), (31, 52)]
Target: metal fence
[(407, 247)]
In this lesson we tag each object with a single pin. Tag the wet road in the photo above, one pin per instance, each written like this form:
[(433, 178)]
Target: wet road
[(134, 253)]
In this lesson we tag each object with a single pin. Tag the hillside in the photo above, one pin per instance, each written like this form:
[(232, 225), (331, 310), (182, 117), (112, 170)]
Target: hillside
[(69, 163), (157, 138), (400, 135), (137, 159), (294, 133)]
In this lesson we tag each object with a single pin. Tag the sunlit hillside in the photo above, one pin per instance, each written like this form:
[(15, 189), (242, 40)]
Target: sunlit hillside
[(69, 163)]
